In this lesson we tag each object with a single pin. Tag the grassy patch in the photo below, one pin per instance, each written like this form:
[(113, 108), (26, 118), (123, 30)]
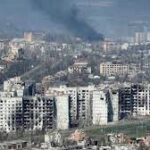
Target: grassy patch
[(132, 129)]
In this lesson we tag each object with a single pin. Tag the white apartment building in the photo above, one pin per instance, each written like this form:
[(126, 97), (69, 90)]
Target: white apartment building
[(109, 69), (80, 99), (72, 94), (110, 46), (19, 109), (2, 44), (62, 111), (28, 36), (60, 107), (11, 104), (140, 37), (99, 108), (148, 36), (142, 101), (28, 113), (10, 113)]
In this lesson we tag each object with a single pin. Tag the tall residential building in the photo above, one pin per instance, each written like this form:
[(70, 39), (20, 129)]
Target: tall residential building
[(22, 109), (109, 69), (80, 99), (126, 95), (10, 113), (134, 100), (140, 37), (113, 104), (99, 108), (28, 36), (39, 113), (72, 95), (148, 36), (141, 105), (84, 103), (2, 44), (27, 113), (62, 108), (11, 105)]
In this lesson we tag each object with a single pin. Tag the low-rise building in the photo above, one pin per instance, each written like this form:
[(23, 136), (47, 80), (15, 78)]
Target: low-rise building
[(111, 46), (109, 69), (80, 67), (78, 135), (16, 145)]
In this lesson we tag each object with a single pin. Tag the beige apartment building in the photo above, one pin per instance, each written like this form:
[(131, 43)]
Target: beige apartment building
[(109, 69)]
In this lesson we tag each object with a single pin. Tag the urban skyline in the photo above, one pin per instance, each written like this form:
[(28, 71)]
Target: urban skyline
[(74, 74)]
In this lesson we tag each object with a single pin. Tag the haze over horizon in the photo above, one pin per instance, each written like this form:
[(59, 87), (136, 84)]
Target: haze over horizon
[(110, 17)]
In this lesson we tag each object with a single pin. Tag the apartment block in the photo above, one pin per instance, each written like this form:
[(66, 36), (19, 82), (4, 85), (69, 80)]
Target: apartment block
[(28, 36), (21, 108), (140, 37), (72, 96), (134, 100), (109, 46), (113, 104), (10, 113), (99, 108), (62, 108), (39, 113), (80, 99), (109, 69), (79, 67)]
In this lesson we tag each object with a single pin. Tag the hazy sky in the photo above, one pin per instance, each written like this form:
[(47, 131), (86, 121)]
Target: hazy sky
[(108, 16)]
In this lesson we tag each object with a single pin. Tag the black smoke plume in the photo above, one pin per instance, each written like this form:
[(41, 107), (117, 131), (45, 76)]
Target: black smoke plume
[(66, 14)]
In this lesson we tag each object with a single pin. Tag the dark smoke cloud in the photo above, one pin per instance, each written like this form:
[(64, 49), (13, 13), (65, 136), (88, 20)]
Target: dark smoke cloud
[(63, 12)]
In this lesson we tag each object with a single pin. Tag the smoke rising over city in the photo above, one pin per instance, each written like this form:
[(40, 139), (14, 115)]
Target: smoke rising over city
[(66, 14), (83, 18)]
